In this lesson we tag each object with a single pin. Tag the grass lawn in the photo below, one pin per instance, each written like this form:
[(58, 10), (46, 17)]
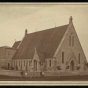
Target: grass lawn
[(63, 78)]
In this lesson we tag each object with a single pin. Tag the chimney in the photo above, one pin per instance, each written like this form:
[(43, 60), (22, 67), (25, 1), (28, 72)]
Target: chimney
[(26, 32), (70, 20)]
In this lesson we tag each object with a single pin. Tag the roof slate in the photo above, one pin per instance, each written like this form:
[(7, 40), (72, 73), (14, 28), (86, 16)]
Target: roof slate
[(15, 45), (45, 42)]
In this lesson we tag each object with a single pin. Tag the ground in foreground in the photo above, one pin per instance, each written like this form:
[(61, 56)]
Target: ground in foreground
[(62, 78)]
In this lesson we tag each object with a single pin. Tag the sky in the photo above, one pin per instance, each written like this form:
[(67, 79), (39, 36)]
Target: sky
[(15, 18)]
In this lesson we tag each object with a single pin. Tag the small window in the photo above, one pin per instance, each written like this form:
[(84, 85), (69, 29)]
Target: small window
[(79, 58), (50, 63), (24, 63), (19, 63), (29, 62), (73, 41), (70, 40), (16, 62), (62, 57)]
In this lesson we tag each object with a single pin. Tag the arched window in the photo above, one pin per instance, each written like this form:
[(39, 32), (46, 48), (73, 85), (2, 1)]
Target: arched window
[(79, 58), (24, 63), (19, 63), (72, 40), (50, 63), (62, 57), (14, 62), (29, 62)]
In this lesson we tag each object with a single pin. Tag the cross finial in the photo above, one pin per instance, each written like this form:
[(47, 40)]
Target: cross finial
[(35, 50), (70, 19), (26, 31)]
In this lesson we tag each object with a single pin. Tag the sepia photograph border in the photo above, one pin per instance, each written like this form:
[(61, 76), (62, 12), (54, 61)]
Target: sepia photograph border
[(44, 83)]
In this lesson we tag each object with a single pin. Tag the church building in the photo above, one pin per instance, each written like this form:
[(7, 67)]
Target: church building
[(52, 50), (56, 49)]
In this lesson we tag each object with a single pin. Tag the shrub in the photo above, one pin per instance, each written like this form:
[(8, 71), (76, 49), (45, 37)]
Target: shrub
[(86, 64), (67, 67), (21, 72), (16, 67), (2, 67), (12, 68), (78, 67), (58, 68)]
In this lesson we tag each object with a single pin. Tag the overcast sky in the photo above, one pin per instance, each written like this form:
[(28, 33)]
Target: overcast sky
[(15, 18)]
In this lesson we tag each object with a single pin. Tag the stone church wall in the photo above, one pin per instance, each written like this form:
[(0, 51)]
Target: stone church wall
[(76, 49)]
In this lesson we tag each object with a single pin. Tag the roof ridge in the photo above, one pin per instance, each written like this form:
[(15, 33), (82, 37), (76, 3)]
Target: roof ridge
[(47, 29)]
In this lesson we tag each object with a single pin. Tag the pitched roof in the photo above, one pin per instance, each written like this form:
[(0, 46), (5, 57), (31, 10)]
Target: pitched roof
[(15, 45), (46, 43), (5, 47)]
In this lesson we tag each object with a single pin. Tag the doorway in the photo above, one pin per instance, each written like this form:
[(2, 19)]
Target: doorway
[(72, 65), (35, 65)]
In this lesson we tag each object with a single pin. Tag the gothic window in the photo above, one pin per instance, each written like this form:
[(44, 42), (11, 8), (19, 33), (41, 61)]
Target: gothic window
[(45, 67), (70, 40), (14, 63), (24, 63), (50, 63), (19, 63), (62, 57), (29, 62), (79, 58), (73, 41)]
